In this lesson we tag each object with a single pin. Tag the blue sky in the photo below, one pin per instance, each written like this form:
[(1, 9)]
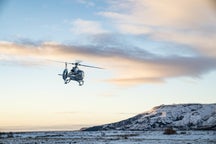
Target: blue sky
[(153, 53)]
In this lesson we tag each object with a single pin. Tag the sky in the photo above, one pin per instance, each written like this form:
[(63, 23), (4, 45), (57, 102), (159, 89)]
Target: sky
[(152, 52)]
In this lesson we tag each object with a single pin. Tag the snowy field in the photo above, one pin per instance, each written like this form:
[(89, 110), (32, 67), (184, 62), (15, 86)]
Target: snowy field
[(109, 137)]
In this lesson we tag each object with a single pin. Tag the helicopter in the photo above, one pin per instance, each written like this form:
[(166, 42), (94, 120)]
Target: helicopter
[(75, 73)]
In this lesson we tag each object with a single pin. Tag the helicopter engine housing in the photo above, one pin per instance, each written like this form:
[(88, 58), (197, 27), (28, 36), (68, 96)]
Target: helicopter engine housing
[(79, 75)]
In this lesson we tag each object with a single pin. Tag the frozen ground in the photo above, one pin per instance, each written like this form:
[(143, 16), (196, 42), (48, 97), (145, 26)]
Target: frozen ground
[(109, 137)]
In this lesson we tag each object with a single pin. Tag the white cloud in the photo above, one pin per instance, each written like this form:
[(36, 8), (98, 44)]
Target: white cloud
[(185, 22), (86, 2), (173, 13), (80, 26)]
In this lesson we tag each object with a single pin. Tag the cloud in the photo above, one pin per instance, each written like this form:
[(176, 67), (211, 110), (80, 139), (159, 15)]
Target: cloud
[(129, 66), (191, 23), (169, 13), (80, 26), (183, 32), (135, 80), (86, 2)]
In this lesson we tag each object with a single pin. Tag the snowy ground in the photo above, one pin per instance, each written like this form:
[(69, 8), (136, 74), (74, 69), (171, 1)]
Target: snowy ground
[(109, 137)]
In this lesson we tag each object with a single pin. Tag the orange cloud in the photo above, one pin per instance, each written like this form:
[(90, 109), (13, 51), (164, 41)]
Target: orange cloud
[(135, 80), (128, 67)]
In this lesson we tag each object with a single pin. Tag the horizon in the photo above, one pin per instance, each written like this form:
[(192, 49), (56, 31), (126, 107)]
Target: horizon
[(153, 53), (74, 127)]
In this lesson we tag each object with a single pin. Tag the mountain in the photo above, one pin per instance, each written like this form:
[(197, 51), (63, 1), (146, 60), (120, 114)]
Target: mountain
[(178, 116)]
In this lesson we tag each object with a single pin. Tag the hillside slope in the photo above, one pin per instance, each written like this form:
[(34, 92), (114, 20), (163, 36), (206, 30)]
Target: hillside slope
[(180, 116)]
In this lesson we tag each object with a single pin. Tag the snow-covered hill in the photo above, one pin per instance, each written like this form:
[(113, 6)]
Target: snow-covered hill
[(179, 116)]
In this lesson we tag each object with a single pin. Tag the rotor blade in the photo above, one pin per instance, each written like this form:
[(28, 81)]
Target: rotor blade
[(62, 62), (90, 66), (76, 63), (71, 63)]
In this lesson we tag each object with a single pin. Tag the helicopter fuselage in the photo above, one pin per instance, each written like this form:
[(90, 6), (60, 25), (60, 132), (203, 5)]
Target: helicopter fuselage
[(75, 75)]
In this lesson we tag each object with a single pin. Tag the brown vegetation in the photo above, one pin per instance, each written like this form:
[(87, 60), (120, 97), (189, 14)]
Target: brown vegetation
[(169, 131)]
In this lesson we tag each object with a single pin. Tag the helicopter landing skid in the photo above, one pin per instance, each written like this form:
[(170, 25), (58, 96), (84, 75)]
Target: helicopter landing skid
[(67, 81), (81, 83)]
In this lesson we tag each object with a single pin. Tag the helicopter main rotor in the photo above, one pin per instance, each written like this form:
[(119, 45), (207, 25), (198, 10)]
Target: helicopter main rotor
[(77, 63)]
